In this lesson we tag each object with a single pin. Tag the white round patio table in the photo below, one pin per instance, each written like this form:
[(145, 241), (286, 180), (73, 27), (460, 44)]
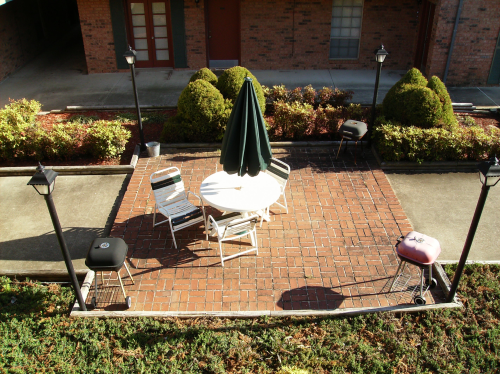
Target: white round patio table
[(232, 193)]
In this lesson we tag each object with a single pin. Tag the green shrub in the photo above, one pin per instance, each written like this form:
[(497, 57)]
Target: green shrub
[(413, 101), (410, 143), (201, 103), (436, 85), (293, 120), (327, 119), (65, 141), (309, 95), (333, 96), (230, 82), (414, 77), (106, 139), (206, 75), (17, 127)]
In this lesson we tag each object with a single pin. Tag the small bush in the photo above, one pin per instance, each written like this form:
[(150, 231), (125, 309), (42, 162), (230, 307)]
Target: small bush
[(106, 139), (65, 141), (414, 101), (17, 126), (230, 82), (293, 120), (201, 103), (206, 75)]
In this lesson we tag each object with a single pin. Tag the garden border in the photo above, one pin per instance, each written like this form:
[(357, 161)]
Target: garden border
[(435, 166)]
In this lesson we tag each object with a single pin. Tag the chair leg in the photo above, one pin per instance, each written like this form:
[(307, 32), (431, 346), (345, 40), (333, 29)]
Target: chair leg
[(221, 256), (154, 218), (128, 271), (355, 151), (121, 284), (340, 146), (396, 275), (173, 235), (286, 205)]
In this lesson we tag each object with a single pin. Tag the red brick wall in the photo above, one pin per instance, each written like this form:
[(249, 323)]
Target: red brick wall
[(287, 34), (196, 44), (475, 41), (97, 32)]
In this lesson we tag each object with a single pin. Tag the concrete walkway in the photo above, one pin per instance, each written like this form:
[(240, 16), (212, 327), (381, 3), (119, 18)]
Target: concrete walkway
[(86, 206), (57, 79)]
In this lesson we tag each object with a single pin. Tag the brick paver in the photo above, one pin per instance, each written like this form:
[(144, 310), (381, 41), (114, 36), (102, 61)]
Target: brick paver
[(334, 249)]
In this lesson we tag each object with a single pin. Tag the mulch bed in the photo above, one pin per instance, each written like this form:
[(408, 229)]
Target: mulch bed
[(152, 132)]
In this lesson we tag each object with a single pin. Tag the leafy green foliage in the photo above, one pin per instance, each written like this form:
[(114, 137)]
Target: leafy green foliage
[(308, 95), (410, 143), (106, 139), (202, 115), (413, 101), (17, 125), (206, 75), (231, 80), (201, 102), (293, 120), (37, 335), (436, 85)]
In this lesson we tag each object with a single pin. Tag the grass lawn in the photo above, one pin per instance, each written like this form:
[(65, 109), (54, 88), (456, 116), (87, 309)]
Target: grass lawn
[(36, 335)]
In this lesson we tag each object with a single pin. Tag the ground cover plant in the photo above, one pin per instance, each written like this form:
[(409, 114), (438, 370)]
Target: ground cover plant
[(36, 335)]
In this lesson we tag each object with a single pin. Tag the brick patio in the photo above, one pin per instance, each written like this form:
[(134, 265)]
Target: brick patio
[(333, 250)]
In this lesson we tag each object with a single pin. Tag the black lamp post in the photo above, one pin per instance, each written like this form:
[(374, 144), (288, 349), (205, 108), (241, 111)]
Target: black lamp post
[(489, 175), (130, 57), (380, 55), (44, 182)]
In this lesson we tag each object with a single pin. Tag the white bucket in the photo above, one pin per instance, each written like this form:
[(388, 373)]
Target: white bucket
[(153, 149)]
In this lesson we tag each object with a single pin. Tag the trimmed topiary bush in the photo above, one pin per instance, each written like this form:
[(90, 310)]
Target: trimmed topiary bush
[(436, 85), (200, 102), (230, 82), (206, 75), (413, 101)]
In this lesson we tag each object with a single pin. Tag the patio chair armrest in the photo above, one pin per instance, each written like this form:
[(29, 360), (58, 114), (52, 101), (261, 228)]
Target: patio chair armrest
[(213, 223), (192, 193)]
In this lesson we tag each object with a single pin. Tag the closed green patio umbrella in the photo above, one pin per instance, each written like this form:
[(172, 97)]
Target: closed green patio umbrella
[(246, 148)]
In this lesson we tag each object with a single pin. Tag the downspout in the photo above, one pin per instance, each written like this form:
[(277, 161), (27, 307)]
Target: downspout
[(459, 12)]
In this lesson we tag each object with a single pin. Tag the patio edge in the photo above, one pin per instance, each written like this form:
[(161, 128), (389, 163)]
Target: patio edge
[(439, 272), (76, 170)]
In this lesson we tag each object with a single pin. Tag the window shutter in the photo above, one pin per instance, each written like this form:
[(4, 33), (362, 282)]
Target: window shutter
[(494, 77)]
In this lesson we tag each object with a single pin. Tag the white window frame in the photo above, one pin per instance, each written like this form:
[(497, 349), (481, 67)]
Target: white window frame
[(344, 26)]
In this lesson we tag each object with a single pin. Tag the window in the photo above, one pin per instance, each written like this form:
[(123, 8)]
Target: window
[(346, 29)]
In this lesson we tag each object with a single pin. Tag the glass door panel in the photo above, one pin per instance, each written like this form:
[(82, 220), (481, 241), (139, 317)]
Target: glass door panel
[(149, 32), (139, 31), (160, 30)]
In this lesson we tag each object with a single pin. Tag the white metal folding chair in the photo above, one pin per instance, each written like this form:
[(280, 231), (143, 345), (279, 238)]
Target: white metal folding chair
[(281, 172), (171, 200), (233, 226)]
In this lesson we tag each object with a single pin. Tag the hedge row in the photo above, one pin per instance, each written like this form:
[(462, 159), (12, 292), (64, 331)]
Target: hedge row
[(399, 143), (308, 95), (21, 137), (295, 121)]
